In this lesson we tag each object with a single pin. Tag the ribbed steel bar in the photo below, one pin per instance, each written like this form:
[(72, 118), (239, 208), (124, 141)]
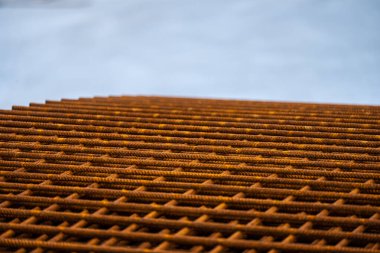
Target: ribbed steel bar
[(158, 174)]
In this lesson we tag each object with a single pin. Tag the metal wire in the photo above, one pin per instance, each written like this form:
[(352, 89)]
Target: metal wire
[(155, 174)]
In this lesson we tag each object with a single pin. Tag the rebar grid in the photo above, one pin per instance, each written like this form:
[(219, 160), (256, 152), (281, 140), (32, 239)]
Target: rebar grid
[(154, 174)]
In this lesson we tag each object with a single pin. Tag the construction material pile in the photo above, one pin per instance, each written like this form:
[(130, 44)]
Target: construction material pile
[(154, 174)]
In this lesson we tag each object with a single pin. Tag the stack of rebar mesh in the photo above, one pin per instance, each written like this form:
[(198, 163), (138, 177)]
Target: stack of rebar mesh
[(153, 174)]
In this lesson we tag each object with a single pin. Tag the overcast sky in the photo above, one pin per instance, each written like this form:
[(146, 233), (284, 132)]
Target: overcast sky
[(288, 50)]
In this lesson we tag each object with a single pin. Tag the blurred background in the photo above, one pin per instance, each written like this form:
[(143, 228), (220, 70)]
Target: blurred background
[(288, 50)]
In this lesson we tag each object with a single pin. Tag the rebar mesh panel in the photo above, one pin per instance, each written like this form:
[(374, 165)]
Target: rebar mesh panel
[(153, 174)]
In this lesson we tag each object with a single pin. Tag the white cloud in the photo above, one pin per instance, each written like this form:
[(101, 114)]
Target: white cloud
[(324, 51)]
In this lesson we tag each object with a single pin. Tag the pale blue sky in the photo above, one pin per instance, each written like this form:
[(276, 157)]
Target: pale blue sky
[(289, 50)]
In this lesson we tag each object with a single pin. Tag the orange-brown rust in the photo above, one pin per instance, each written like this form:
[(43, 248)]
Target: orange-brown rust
[(156, 174)]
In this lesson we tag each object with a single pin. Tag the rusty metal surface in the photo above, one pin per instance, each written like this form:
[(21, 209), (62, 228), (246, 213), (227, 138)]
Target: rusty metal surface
[(153, 174)]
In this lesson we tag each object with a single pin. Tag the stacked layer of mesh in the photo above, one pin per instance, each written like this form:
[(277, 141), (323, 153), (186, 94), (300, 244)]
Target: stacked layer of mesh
[(153, 174)]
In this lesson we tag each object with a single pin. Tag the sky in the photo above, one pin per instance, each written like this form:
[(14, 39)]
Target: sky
[(290, 50)]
